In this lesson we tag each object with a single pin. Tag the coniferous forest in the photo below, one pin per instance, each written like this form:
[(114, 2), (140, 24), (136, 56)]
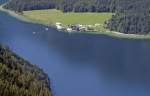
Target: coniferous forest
[(131, 16), (19, 78), (64, 5)]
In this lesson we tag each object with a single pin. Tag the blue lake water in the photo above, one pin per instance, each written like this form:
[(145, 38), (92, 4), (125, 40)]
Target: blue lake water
[(81, 64)]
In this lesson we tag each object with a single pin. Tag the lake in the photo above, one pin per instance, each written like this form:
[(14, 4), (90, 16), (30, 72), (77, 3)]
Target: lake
[(81, 64)]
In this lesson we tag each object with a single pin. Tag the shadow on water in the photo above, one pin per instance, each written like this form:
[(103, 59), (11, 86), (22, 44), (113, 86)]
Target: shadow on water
[(127, 60), (120, 61)]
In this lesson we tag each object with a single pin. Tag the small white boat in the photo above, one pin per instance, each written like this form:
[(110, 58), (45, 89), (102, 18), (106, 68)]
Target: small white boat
[(34, 32), (46, 29)]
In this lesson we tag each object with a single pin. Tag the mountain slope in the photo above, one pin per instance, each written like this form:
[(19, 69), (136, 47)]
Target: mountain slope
[(19, 78), (131, 16), (65, 5)]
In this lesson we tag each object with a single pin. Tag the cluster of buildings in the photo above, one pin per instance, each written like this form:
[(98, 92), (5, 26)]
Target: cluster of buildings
[(75, 27)]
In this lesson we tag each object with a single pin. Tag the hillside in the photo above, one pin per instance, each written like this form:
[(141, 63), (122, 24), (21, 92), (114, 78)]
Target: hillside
[(131, 16), (20, 78), (65, 5)]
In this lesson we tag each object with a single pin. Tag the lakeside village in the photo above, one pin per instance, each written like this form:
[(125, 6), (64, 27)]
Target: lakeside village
[(77, 27)]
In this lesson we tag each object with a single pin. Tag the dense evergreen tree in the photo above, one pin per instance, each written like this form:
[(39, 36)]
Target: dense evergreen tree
[(64, 5), (19, 78), (132, 17)]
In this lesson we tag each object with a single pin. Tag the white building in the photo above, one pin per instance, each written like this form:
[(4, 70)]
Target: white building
[(58, 23), (97, 24), (69, 29), (59, 27)]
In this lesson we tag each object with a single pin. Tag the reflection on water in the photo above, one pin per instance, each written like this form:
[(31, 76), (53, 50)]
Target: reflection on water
[(81, 64)]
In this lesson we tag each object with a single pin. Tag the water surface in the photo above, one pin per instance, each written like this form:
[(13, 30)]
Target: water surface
[(81, 64)]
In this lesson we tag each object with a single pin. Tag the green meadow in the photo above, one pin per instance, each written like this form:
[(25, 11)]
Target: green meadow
[(51, 16)]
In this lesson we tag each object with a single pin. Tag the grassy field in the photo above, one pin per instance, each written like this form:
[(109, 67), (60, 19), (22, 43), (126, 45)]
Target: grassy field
[(52, 16)]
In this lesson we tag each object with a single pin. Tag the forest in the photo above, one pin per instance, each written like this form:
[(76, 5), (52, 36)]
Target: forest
[(131, 16), (64, 5), (20, 78)]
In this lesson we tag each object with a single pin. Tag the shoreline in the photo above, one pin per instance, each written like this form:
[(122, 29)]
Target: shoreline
[(107, 33), (19, 17)]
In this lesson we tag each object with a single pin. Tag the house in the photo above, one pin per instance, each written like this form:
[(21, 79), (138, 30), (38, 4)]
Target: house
[(59, 27), (76, 27), (69, 29), (83, 28), (97, 24), (58, 23)]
